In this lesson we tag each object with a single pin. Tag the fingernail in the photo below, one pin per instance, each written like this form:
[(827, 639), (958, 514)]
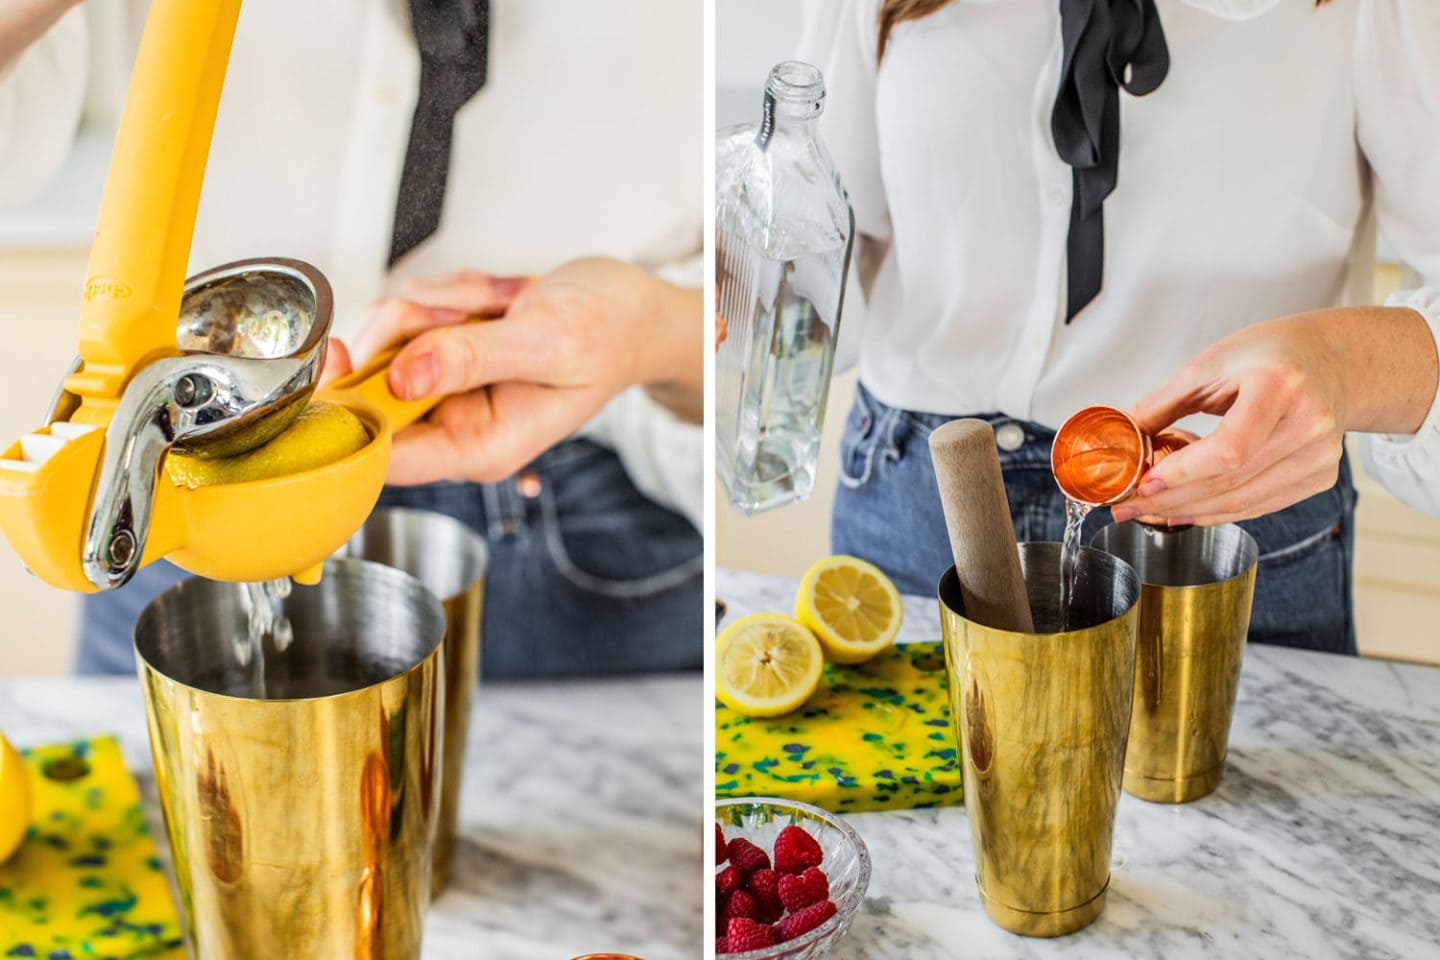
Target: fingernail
[(1122, 514), (508, 286), (1151, 486), (419, 376)]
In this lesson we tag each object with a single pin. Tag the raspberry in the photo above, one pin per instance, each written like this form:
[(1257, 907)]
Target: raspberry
[(741, 904), (745, 934), (720, 854), (800, 890), (794, 851), (764, 886), (802, 922), (727, 880), (748, 857), (721, 945)]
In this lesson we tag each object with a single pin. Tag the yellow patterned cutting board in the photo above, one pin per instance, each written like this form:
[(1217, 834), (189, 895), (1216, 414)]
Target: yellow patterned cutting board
[(875, 736), (86, 884)]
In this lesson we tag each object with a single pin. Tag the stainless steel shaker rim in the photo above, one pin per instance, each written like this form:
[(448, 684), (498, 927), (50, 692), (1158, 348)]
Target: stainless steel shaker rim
[(431, 630), (455, 555), (1039, 561), (1189, 558)]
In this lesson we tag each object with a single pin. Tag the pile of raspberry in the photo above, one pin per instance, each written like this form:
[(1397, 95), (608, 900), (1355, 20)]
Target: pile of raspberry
[(759, 905)]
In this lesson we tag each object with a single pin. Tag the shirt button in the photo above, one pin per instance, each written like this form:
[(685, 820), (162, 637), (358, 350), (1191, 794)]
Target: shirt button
[(528, 484), (1055, 196), (1010, 438)]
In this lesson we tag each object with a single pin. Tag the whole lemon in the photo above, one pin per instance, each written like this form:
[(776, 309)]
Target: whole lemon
[(14, 800), (323, 433)]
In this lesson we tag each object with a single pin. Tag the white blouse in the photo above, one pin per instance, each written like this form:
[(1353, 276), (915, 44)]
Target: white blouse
[(584, 142), (1250, 185)]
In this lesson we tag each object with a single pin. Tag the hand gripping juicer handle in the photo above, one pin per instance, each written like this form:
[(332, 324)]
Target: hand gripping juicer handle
[(214, 366)]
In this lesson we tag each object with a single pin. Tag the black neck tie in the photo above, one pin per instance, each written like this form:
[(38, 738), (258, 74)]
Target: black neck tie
[(453, 38), (1109, 44)]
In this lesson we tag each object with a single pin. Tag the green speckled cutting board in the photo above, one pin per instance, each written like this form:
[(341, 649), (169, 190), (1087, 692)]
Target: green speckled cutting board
[(875, 736)]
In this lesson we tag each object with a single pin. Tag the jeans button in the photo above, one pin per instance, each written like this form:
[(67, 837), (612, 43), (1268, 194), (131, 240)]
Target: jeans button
[(1010, 437), (528, 484)]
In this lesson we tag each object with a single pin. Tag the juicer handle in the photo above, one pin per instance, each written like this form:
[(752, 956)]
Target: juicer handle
[(369, 386), (147, 216)]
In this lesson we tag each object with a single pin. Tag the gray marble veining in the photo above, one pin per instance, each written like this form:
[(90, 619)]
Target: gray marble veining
[(581, 817), (1323, 839)]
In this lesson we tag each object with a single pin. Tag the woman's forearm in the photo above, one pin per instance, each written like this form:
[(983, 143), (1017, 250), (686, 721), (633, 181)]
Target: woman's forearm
[(1392, 369), (679, 381), (22, 22)]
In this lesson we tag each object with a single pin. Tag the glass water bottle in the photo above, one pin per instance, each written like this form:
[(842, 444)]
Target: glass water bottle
[(783, 236)]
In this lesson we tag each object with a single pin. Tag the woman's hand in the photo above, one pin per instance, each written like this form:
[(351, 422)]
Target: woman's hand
[(560, 346), (1286, 391)]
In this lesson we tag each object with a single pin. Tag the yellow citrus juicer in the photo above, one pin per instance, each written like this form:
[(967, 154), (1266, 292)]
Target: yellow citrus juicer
[(213, 366)]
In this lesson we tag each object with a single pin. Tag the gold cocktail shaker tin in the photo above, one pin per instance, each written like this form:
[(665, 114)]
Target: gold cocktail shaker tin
[(1196, 591), (300, 820), (1042, 720)]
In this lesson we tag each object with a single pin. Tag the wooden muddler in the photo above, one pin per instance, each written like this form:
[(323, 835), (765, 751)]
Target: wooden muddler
[(972, 491)]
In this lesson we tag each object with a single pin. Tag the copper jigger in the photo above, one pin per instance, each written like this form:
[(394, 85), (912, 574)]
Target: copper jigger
[(1042, 720), (1197, 585), (300, 822), (450, 559), (1100, 454)]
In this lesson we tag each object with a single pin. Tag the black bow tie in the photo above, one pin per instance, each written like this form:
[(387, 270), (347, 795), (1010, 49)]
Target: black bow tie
[(1109, 44), (453, 38)]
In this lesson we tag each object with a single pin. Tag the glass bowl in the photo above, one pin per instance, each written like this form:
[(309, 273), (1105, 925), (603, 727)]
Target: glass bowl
[(846, 864)]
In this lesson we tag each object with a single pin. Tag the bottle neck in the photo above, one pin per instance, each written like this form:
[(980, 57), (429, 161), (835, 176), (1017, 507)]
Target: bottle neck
[(794, 100)]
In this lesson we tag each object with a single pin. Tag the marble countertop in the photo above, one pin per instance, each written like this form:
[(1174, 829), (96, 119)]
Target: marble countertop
[(580, 820), (1323, 839)]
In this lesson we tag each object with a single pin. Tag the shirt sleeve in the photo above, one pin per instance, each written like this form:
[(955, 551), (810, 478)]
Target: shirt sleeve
[(41, 94), (1397, 88), (840, 39)]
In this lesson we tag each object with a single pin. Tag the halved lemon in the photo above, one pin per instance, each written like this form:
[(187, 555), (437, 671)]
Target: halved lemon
[(766, 664), (851, 607), (14, 800), (322, 434)]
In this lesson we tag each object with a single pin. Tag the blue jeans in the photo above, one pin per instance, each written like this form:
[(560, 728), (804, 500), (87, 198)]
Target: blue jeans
[(887, 511), (586, 576)]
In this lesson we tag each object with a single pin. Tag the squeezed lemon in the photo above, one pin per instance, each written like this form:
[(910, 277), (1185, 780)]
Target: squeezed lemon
[(323, 433), (851, 606)]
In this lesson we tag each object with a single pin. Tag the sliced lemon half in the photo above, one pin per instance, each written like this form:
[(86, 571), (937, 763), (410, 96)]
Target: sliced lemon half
[(766, 664), (14, 800), (851, 607)]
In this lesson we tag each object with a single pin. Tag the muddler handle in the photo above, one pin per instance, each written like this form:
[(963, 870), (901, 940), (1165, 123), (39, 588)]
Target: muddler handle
[(972, 491)]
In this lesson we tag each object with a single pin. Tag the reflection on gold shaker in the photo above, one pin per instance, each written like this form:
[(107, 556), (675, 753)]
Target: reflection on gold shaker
[(300, 827), (450, 560), (1042, 721)]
